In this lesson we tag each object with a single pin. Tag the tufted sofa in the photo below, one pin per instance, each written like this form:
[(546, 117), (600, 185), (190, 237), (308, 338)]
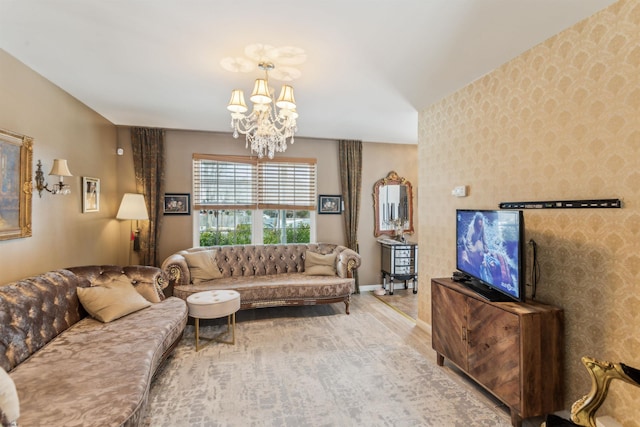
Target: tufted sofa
[(268, 275), (72, 370)]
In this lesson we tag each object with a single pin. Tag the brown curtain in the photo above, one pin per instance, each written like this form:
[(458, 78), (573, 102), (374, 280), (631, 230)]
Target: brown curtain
[(350, 154), (147, 146)]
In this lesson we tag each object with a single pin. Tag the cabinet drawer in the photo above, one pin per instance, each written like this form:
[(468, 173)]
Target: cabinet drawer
[(404, 253)]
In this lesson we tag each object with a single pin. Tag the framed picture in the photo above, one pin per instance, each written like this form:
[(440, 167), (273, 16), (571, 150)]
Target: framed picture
[(177, 204), (329, 204), (16, 156), (90, 194)]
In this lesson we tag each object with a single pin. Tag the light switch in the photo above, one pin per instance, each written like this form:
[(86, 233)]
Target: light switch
[(459, 191)]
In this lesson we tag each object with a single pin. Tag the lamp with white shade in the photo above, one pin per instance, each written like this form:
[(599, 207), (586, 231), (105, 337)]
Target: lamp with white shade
[(60, 169), (133, 207)]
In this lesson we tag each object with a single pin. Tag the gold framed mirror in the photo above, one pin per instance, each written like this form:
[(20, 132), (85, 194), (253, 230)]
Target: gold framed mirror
[(392, 206)]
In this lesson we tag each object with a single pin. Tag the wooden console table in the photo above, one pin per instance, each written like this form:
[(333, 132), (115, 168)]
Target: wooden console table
[(514, 350)]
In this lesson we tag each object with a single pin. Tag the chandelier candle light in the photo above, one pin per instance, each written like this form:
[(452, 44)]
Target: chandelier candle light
[(266, 129)]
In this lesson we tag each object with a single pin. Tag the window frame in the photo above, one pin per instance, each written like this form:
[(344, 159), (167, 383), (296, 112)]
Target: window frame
[(259, 204)]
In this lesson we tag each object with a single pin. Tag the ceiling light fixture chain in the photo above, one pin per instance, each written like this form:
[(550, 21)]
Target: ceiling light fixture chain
[(271, 123)]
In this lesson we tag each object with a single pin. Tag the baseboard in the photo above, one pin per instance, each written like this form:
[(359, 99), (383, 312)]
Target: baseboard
[(397, 285), (423, 325)]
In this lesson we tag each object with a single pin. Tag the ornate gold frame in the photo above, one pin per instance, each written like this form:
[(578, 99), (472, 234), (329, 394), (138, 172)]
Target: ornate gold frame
[(392, 178), (16, 195)]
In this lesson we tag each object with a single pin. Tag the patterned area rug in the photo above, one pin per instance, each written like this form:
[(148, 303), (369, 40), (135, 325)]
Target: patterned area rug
[(325, 370)]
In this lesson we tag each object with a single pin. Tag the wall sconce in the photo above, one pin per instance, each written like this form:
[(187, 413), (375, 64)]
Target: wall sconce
[(59, 168), (132, 208)]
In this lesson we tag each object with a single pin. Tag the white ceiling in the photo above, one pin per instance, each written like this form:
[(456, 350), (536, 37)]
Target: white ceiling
[(371, 64)]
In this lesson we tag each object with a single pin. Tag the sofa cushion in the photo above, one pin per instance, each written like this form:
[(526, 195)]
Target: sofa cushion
[(316, 264), (203, 266), (275, 287), (146, 288), (112, 300), (148, 291), (146, 279)]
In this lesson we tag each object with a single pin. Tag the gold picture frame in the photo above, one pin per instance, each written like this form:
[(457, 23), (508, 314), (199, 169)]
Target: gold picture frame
[(16, 186)]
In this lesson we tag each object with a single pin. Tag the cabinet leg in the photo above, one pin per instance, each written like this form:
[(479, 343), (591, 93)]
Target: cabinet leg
[(439, 359), (391, 286), (415, 285), (516, 421)]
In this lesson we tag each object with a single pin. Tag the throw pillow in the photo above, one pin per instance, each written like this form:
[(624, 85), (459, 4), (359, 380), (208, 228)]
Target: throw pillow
[(316, 264), (148, 290), (202, 266), (9, 403), (112, 300)]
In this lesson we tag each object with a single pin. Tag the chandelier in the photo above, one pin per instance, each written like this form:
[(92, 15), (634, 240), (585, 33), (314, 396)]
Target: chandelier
[(266, 128)]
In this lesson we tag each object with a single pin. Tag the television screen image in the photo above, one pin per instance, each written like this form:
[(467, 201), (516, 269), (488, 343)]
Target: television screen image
[(489, 249)]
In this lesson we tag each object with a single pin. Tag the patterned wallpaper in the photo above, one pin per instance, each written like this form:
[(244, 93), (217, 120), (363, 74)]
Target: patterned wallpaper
[(561, 121)]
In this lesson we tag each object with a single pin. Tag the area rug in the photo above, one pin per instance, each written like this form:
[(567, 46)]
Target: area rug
[(334, 370)]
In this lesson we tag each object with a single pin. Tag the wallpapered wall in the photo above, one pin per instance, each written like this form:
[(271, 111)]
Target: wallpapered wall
[(561, 121)]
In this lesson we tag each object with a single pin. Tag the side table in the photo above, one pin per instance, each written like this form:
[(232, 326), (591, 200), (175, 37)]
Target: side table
[(399, 261)]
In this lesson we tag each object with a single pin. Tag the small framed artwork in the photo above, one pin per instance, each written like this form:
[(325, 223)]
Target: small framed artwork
[(177, 204), (90, 194), (330, 204)]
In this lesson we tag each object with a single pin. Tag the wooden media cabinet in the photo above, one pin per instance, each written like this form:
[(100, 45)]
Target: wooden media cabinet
[(514, 350)]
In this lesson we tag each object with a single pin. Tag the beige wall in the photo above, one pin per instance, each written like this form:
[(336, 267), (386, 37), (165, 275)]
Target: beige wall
[(61, 127), (378, 159), (558, 122)]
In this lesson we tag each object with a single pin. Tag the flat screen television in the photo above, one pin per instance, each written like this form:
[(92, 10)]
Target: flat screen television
[(490, 253)]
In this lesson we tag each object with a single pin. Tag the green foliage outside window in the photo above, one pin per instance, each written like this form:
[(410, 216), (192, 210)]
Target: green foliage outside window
[(240, 236), (299, 234)]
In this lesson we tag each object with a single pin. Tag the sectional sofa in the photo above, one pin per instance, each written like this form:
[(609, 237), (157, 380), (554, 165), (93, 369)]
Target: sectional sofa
[(71, 369)]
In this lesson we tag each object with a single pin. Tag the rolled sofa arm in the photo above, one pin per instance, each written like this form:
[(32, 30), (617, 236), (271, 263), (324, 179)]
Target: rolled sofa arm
[(348, 260), (177, 270)]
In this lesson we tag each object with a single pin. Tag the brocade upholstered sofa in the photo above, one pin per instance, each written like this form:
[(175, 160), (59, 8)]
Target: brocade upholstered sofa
[(267, 275), (71, 369)]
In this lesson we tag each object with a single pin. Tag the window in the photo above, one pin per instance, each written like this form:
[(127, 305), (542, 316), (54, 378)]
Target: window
[(247, 200)]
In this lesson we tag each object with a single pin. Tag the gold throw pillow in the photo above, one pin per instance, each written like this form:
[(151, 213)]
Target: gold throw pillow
[(316, 264), (112, 300), (202, 266)]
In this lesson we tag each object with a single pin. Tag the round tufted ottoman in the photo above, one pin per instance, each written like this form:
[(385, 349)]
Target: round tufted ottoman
[(213, 305)]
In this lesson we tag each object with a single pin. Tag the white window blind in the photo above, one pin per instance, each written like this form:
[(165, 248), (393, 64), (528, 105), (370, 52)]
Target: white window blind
[(287, 184), (224, 182), (236, 182)]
